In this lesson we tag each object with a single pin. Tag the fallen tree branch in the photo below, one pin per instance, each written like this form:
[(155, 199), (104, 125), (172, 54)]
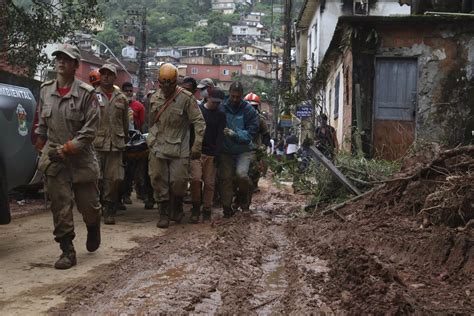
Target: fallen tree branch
[(334, 208)]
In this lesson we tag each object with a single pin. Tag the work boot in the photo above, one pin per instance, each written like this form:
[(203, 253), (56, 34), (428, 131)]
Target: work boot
[(68, 257), (109, 213), (126, 200), (177, 213), (93, 237), (164, 221), (195, 213), (121, 206), (228, 212), (206, 215), (149, 203)]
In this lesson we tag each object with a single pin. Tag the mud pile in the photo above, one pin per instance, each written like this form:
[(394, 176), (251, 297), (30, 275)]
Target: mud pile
[(405, 246), (437, 186)]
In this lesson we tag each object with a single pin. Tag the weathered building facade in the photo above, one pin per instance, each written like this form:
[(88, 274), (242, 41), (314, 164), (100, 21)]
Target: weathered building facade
[(388, 81)]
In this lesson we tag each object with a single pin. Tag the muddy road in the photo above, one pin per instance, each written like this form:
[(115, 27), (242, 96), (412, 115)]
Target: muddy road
[(273, 261)]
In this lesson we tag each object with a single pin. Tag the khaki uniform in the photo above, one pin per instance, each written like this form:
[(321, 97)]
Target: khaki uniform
[(168, 142), (73, 117), (110, 142)]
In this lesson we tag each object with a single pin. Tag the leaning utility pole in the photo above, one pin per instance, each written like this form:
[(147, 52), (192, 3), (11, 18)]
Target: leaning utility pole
[(141, 26), (143, 55), (286, 71)]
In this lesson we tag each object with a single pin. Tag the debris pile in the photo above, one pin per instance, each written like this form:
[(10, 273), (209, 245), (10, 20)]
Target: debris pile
[(436, 185)]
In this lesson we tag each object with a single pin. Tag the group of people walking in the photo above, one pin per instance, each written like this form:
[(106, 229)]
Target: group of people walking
[(83, 133)]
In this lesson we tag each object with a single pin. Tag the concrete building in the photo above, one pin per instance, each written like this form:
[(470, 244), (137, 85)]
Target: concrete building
[(317, 21), (393, 85), (223, 6), (221, 74)]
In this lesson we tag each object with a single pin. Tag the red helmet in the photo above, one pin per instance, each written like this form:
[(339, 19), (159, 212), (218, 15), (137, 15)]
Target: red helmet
[(94, 77), (253, 99)]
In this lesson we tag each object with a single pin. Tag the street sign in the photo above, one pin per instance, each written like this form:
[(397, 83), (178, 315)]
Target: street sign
[(303, 111), (286, 120)]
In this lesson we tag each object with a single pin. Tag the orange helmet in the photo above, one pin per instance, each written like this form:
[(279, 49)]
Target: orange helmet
[(94, 77), (253, 99), (167, 74)]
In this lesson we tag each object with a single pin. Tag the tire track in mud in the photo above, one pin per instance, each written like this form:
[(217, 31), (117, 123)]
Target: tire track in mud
[(241, 266)]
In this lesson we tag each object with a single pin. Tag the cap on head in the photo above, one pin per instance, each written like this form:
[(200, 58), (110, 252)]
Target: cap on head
[(191, 82), (206, 82), (110, 67), (216, 95), (68, 49), (94, 76), (167, 73), (253, 99)]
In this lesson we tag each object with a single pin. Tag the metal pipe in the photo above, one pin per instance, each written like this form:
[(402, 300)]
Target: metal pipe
[(113, 55)]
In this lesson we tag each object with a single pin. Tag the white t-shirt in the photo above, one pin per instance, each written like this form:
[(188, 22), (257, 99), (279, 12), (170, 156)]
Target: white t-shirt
[(291, 149)]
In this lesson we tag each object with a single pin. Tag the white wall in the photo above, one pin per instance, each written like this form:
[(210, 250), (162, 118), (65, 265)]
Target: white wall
[(327, 21), (330, 102)]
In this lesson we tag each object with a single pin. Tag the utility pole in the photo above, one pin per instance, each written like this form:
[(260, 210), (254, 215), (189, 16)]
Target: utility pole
[(141, 26), (286, 71)]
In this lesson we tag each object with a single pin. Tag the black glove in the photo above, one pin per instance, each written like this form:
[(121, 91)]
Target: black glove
[(54, 155)]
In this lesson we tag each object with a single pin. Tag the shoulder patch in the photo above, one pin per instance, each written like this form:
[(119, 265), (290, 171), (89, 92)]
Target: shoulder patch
[(87, 87), (47, 83)]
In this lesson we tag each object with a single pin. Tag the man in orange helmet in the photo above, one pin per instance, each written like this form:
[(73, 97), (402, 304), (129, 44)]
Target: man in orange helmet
[(172, 110), (94, 78)]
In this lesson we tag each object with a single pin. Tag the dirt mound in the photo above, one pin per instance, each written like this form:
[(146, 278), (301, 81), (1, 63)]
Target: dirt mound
[(437, 186), (382, 259)]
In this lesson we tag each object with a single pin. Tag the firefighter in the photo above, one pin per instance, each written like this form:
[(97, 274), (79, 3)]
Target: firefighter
[(94, 78), (111, 140), (172, 110), (68, 121)]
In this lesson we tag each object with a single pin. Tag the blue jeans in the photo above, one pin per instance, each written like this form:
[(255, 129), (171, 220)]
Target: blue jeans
[(235, 167)]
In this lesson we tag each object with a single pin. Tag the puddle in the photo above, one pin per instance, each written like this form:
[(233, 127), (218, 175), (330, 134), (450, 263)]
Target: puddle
[(273, 282)]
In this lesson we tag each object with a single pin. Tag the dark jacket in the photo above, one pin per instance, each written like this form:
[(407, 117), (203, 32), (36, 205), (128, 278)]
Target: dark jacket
[(243, 120)]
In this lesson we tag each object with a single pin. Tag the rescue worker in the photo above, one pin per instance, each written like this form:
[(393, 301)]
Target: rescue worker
[(237, 151), (111, 139), (172, 110), (261, 141), (204, 169), (68, 121), (94, 78)]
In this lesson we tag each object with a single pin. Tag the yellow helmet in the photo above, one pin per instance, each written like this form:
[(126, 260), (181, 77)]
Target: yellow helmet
[(168, 74)]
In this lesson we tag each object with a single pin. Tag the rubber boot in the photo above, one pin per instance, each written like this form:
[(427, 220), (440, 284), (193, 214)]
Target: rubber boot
[(109, 213), (195, 213), (206, 215), (164, 221), (228, 212), (126, 200), (68, 257), (177, 213), (93, 237), (149, 203)]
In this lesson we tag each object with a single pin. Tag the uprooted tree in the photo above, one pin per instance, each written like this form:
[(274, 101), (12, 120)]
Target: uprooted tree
[(28, 25)]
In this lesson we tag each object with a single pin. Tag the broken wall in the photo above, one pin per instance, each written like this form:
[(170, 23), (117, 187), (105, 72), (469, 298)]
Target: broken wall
[(444, 50)]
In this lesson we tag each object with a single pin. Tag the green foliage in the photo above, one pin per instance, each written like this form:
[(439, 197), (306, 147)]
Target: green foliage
[(112, 38), (30, 25)]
